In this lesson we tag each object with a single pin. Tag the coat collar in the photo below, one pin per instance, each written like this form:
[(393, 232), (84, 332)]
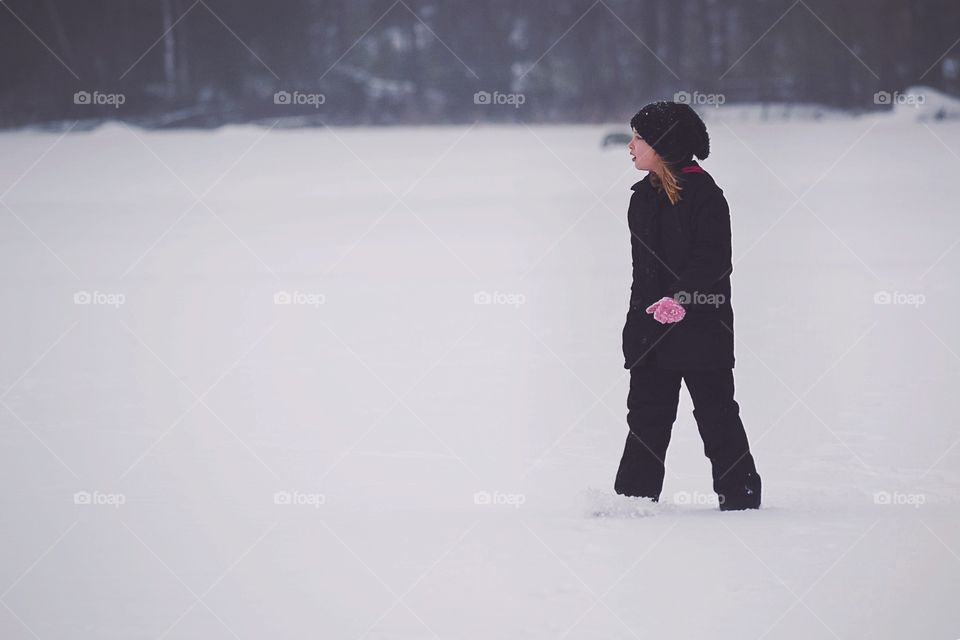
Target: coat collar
[(687, 167)]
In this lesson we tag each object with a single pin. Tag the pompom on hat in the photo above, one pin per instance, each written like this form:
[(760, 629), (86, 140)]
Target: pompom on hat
[(674, 130)]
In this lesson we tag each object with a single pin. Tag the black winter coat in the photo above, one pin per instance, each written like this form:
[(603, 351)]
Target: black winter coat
[(681, 251)]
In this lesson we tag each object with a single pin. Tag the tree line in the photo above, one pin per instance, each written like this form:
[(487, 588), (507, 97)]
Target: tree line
[(209, 62)]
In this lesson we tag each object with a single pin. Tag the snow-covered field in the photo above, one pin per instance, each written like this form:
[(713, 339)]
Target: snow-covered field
[(391, 407)]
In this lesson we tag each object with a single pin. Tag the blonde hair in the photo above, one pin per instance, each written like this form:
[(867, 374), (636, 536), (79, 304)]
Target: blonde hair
[(663, 177)]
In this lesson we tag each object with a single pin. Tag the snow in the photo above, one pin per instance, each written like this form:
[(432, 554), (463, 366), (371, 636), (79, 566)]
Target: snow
[(924, 104), (384, 458)]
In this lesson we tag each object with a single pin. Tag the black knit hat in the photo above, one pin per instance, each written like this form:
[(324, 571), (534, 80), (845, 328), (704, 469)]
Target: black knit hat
[(674, 130)]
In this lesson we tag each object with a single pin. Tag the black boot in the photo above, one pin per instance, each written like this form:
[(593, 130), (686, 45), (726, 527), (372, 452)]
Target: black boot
[(744, 494), (640, 474)]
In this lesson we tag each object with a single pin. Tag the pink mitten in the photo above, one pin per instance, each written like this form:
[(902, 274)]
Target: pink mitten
[(667, 310)]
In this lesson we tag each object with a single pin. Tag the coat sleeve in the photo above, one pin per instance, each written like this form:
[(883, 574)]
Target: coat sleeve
[(710, 255)]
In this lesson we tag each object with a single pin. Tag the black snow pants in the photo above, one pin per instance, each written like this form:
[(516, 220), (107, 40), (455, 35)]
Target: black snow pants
[(651, 412)]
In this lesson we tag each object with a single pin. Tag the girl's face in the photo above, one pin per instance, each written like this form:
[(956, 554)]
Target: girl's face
[(644, 157)]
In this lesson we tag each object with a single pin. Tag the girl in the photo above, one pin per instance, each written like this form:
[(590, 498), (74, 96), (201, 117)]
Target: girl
[(680, 322)]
